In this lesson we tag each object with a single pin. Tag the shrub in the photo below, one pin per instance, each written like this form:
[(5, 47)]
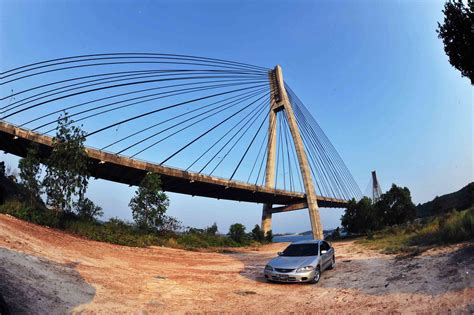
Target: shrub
[(197, 238), (237, 233), (42, 216), (87, 209), (453, 227), (450, 228), (257, 234)]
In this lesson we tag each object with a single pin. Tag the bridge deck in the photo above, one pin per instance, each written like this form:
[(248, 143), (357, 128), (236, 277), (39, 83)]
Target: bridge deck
[(129, 171)]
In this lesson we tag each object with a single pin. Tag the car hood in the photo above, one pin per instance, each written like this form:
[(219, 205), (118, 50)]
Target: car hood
[(293, 262)]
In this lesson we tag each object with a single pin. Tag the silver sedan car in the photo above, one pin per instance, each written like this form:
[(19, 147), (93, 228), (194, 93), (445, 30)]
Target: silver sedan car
[(302, 261)]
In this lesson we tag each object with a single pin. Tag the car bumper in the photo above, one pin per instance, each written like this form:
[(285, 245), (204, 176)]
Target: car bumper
[(289, 277)]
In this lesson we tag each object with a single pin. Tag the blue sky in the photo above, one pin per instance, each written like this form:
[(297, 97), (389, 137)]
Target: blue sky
[(373, 74)]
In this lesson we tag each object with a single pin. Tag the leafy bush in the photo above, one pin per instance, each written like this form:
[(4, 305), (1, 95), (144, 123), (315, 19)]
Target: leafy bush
[(87, 209), (454, 227), (237, 233), (257, 234), (204, 238), (394, 208), (457, 226), (42, 216), (115, 231)]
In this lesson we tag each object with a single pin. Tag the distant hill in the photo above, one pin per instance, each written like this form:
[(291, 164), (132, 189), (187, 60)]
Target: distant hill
[(459, 200)]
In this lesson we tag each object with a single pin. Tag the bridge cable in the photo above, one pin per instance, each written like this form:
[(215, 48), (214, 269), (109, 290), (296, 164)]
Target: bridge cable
[(200, 136), (117, 63), (177, 57), (232, 104), (242, 96), (125, 100), (167, 94), (127, 77), (95, 90), (248, 118), (254, 119)]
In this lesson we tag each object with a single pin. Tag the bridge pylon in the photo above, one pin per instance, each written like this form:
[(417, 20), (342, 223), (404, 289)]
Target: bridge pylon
[(376, 190), (280, 101)]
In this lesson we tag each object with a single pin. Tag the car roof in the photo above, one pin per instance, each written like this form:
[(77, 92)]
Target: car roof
[(307, 242)]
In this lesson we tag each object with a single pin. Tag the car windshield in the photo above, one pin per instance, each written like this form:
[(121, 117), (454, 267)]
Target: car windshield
[(301, 250)]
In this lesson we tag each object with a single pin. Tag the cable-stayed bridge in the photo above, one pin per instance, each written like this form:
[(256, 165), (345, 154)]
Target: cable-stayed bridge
[(211, 127)]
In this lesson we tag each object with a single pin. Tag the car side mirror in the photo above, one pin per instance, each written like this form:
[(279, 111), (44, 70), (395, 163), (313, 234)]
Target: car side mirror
[(323, 252), (280, 253)]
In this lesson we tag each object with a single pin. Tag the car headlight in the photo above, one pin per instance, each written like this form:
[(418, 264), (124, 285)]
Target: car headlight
[(269, 268), (305, 269)]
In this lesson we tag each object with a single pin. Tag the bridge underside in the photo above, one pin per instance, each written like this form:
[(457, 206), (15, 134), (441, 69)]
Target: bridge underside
[(129, 171)]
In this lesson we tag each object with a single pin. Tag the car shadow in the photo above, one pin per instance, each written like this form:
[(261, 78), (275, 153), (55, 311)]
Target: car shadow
[(33, 285), (425, 274)]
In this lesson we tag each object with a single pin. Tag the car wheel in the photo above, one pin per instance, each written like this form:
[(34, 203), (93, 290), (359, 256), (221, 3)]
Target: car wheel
[(333, 263), (317, 276)]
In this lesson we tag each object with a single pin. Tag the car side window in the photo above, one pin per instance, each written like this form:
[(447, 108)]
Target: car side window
[(324, 246)]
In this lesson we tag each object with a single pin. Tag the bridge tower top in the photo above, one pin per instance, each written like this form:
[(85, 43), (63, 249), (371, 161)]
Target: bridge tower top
[(376, 190)]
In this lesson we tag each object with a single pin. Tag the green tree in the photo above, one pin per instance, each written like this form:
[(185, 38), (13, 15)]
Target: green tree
[(149, 204), (67, 175), (457, 37), (86, 209), (212, 230), (360, 216), (170, 224), (396, 206), (257, 234), (237, 233), (30, 171)]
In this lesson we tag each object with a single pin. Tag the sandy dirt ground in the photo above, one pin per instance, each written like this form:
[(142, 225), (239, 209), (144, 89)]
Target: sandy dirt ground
[(48, 272)]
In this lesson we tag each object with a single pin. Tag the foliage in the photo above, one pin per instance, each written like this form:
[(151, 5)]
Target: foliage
[(38, 215), (204, 240), (66, 173), (149, 204), (360, 216), (170, 225), (454, 227), (212, 230), (456, 34), (30, 171), (113, 231), (395, 206), (257, 234), (87, 210), (237, 233)]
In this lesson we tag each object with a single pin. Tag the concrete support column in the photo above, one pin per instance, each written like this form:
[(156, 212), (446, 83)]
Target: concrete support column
[(302, 158), (271, 158)]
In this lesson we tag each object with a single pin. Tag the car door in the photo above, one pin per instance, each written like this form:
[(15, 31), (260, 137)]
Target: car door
[(326, 254)]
